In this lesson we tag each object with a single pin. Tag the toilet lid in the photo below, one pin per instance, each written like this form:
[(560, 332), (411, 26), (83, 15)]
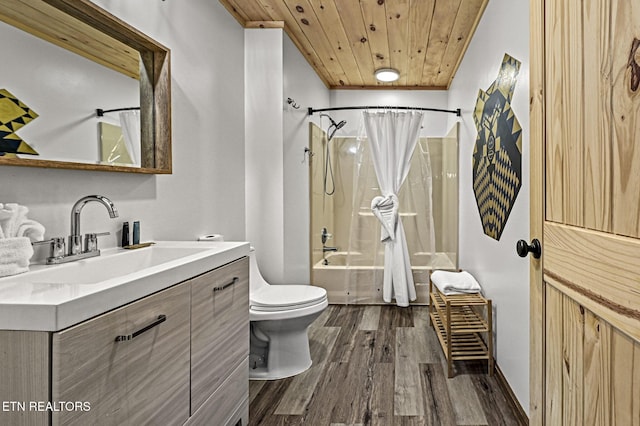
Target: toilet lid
[(285, 297)]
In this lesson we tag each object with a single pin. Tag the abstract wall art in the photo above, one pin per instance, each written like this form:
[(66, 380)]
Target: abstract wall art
[(497, 155), (13, 116)]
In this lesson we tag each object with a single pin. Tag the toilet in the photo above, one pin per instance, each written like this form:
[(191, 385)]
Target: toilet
[(280, 316)]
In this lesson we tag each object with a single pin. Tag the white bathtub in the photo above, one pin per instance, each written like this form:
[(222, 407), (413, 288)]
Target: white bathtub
[(352, 279)]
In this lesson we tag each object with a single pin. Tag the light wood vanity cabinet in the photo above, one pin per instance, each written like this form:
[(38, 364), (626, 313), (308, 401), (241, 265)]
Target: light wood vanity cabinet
[(176, 357), (129, 376)]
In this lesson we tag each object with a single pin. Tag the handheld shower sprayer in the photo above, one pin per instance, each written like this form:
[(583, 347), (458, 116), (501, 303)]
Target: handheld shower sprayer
[(328, 169), (333, 127)]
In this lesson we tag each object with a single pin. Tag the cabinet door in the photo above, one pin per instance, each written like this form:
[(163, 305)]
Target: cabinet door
[(219, 327), (158, 359), (141, 378)]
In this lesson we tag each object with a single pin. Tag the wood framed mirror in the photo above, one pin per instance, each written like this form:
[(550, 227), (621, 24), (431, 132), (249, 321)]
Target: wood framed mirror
[(85, 29)]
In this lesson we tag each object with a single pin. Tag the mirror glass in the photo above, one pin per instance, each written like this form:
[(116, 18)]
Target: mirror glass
[(66, 60), (64, 89)]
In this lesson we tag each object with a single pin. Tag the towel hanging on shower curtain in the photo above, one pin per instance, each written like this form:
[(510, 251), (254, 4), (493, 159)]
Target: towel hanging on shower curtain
[(386, 210), (393, 136)]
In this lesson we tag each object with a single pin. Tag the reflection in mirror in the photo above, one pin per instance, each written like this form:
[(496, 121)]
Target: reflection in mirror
[(112, 66), (64, 89)]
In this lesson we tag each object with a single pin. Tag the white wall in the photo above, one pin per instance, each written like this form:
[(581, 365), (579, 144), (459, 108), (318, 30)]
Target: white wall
[(503, 275), (302, 84), (276, 134), (205, 193), (264, 159), (433, 123)]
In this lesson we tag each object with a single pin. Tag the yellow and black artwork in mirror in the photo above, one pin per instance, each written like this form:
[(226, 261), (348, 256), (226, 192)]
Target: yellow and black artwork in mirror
[(13, 116)]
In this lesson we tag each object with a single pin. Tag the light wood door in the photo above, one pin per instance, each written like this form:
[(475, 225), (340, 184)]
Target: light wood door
[(138, 379), (585, 208)]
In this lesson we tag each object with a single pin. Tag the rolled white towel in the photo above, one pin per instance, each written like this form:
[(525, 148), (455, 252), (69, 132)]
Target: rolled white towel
[(14, 255), (31, 229), (13, 215), (5, 216), (386, 210), (14, 223), (449, 282)]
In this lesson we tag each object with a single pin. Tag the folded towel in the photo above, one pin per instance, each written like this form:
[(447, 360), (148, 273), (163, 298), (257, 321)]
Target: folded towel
[(31, 229), (14, 255), (13, 215), (5, 216), (14, 223), (386, 210), (449, 282)]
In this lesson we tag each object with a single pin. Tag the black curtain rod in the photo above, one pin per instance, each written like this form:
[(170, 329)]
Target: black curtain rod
[(451, 111), (101, 112)]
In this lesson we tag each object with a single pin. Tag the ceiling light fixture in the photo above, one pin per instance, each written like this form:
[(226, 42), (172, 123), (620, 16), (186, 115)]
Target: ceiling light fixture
[(387, 74)]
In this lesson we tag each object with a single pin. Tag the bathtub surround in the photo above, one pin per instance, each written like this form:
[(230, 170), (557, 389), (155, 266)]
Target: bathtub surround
[(355, 272)]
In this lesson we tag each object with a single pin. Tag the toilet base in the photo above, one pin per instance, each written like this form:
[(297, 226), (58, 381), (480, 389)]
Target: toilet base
[(261, 373), (287, 350)]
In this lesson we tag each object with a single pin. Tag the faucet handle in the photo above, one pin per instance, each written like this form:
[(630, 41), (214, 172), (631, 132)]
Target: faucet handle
[(56, 249), (91, 241)]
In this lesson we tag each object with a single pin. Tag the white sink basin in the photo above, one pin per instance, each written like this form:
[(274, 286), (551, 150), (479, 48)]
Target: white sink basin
[(50, 298), (111, 264)]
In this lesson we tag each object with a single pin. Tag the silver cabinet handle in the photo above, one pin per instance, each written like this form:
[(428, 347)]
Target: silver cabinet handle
[(125, 337), (229, 284)]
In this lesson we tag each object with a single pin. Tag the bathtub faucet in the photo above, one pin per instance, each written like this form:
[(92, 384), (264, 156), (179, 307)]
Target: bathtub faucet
[(326, 249)]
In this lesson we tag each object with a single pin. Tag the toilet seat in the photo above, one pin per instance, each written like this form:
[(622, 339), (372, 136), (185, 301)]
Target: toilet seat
[(277, 298)]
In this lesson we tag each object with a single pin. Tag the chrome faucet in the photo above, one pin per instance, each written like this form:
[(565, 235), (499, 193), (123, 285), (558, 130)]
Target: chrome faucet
[(75, 239), (325, 236), (75, 250)]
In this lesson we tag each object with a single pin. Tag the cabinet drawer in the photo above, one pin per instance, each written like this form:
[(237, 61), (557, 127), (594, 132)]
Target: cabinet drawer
[(140, 378), (229, 403), (219, 327)]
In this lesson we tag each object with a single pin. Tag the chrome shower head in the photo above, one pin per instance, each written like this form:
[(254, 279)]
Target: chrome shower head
[(333, 123), (333, 127)]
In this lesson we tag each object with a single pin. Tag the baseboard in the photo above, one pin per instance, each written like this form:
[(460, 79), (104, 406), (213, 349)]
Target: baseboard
[(513, 401)]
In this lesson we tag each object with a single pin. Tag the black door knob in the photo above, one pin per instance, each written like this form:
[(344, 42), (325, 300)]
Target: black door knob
[(523, 249)]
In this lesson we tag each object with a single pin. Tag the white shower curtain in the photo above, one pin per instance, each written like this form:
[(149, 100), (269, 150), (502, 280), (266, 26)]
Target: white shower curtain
[(130, 124), (392, 139)]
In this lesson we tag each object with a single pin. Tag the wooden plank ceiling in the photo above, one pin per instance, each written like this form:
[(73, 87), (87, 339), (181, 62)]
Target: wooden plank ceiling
[(345, 41), (49, 21)]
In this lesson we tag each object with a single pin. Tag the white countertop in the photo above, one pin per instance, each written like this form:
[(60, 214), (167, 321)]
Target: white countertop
[(51, 298)]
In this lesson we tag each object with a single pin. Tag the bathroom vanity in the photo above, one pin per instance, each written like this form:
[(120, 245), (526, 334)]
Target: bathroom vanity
[(163, 339)]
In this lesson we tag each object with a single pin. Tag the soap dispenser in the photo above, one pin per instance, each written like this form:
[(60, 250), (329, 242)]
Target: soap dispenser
[(125, 234)]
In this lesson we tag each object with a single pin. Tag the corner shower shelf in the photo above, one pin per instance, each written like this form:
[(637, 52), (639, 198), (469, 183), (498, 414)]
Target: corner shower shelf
[(459, 324)]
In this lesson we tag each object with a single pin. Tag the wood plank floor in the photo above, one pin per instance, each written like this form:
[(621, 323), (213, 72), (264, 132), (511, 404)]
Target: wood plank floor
[(379, 365)]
